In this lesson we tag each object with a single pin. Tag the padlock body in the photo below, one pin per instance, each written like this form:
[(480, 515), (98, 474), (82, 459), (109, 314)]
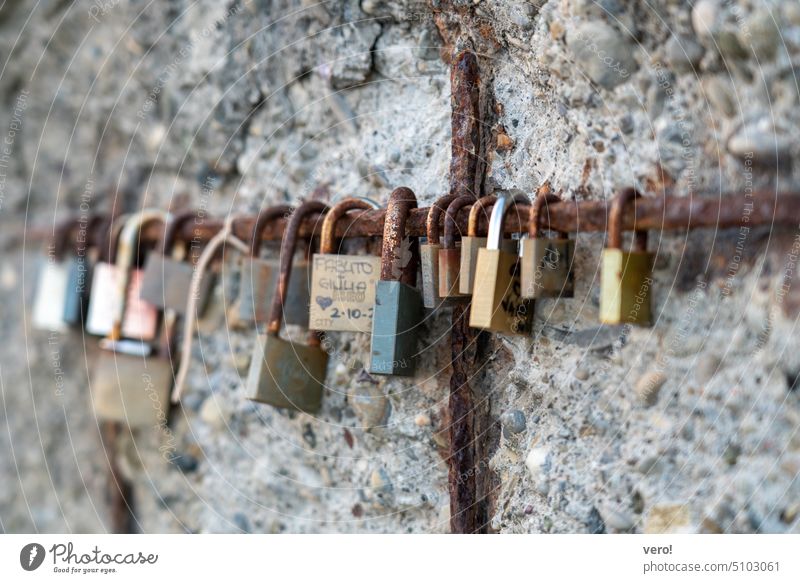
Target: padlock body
[(78, 286), (256, 286), (167, 282), (546, 268), (395, 325), (625, 285), (497, 302), (343, 292), (51, 294), (449, 272), (104, 300), (140, 320), (469, 258), (286, 374), (429, 264), (131, 389)]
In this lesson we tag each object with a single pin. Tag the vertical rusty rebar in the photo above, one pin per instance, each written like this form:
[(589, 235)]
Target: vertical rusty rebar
[(464, 509), (119, 491)]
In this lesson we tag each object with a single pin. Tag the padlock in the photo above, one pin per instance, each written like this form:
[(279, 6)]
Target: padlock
[(53, 284), (497, 302), (398, 304), (429, 253), (127, 385), (626, 275), (104, 301), (342, 286), (471, 242), (167, 275), (287, 374), (81, 268), (546, 263), (450, 254), (140, 318), (258, 275)]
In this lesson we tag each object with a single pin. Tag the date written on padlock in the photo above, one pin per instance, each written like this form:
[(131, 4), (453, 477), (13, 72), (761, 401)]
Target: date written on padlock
[(343, 292)]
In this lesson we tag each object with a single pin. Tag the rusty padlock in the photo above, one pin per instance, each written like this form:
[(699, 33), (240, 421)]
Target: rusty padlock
[(429, 253), (497, 302), (626, 277), (450, 254), (546, 263), (127, 386), (167, 275), (258, 274), (342, 286), (104, 301), (398, 305), (283, 373)]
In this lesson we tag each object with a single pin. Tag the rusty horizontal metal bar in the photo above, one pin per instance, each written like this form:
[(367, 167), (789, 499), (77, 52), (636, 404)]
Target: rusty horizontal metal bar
[(665, 213)]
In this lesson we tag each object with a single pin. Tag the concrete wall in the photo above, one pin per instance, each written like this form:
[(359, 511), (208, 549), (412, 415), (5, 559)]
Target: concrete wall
[(691, 425)]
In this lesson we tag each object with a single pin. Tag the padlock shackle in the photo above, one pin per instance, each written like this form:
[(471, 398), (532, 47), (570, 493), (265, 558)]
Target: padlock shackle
[(288, 247), (503, 203), (480, 206), (265, 217), (401, 201), (450, 224), (127, 248), (327, 240), (615, 221), (110, 242), (432, 231), (542, 199)]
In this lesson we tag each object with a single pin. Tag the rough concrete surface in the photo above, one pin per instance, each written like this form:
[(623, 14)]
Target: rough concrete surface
[(688, 426)]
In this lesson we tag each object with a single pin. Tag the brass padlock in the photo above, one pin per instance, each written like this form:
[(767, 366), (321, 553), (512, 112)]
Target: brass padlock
[(282, 373), (52, 287), (450, 254), (429, 253), (167, 276), (471, 242), (127, 386), (626, 276), (104, 301), (546, 263), (497, 302), (398, 305), (342, 286), (258, 274)]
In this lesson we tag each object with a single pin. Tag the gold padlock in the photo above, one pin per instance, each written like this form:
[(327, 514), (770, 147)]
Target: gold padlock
[(429, 253), (471, 242), (342, 286), (546, 263), (287, 374), (626, 276), (497, 302), (450, 254)]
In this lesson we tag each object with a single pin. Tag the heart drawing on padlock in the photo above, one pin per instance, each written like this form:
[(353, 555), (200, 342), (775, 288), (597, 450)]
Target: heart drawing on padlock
[(324, 302)]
